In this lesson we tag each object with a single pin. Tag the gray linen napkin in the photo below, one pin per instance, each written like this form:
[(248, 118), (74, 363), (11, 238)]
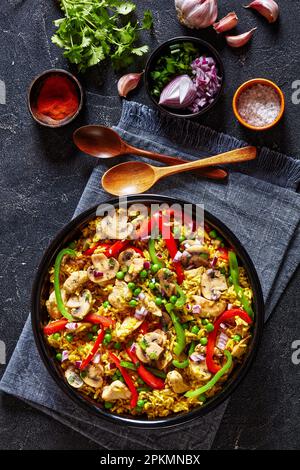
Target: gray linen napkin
[(261, 206)]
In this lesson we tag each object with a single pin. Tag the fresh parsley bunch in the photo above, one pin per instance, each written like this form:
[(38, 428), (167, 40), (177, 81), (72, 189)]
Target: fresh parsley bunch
[(93, 30)]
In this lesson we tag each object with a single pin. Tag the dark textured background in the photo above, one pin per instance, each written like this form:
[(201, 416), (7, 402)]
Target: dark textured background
[(42, 178)]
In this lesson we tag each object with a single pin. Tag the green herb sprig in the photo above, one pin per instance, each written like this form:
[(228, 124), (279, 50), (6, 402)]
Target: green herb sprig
[(94, 30)]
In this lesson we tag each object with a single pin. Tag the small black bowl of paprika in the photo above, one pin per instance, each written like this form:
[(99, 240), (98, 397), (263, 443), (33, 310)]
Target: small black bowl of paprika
[(55, 98)]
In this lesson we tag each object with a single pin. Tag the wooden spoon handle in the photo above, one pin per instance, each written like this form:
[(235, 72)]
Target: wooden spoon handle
[(233, 156), (211, 173)]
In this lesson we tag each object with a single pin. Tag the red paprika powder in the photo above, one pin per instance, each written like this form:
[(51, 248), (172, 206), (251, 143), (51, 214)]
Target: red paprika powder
[(58, 97)]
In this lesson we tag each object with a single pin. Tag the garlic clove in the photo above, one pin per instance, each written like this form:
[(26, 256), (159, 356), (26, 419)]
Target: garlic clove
[(128, 82), (197, 13), (241, 39), (225, 24), (267, 8)]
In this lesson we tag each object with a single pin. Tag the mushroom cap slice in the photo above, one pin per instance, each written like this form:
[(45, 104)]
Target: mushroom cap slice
[(103, 270), (212, 284), (80, 304), (73, 378), (134, 261), (210, 308), (141, 354), (92, 375), (167, 280), (175, 381), (116, 391), (75, 280)]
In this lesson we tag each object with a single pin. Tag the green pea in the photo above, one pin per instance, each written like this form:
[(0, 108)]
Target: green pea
[(213, 234), (117, 345), (152, 285), (133, 303), (69, 337), (204, 321), (203, 341), (141, 403), (209, 327), (158, 300), (137, 291), (155, 267), (143, 274), (237, 338), (56, 336), (195, 330), (106, 304), (108, 405), (95, 328), (58, 356), (181, 239), (107, 338), (173, 299), (90, 336), (120, 275), (131, 285)]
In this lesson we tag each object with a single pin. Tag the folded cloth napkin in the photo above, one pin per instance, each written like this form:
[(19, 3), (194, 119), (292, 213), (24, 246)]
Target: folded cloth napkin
[(260, 205)]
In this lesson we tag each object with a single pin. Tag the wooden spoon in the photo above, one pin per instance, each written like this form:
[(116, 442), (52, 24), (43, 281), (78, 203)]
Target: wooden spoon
[(103, 142), (138, 177)]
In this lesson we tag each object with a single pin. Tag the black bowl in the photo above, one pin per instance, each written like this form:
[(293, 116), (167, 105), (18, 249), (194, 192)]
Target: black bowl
[(39, 318), (204, 48)]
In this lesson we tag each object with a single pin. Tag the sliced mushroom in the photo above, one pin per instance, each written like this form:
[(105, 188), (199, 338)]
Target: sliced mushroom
[(133, 261), (175, 381), (76, 280), (240, 348), (151, 306), (93, 375), (127, 327), (195, 254), (120, 295), (209, 308), (115, 226), (199, 371), (212, 284), (167, 280), (165, 359), (116, 391), (141, 354), (73, 378), (103, 270), (51, 305), (153, 346), (80, 305)]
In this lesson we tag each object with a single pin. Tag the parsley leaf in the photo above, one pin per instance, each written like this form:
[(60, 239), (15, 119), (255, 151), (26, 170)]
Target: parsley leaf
[(147, 22)]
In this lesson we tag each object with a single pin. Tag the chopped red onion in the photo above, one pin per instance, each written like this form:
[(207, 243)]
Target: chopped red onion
[(98, 274), (78, 364), (64, 356), (72, 326), (140, 313), (96, 358), (196, 308), (179, 93), (178, 256), (141, 296), (223, 326), (133, 347), (188, 307), (222, 341), (195, 357), (214, 261), (112, 365), (206, 81), (147, 264), (229, 306)]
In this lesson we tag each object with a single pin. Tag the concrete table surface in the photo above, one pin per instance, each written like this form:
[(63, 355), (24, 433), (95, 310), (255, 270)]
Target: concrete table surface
[(43, 176)]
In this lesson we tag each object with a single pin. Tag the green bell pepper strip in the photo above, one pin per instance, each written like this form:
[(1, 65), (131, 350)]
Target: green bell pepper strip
[(152, 253), (180, 335), (234, 274), (184, 364), (199, 391), (60, 304), (128, 365), (156, 372), (182, 297)]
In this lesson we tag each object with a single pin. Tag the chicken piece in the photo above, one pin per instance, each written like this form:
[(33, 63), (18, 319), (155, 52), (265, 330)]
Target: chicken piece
[(195, 254), (80, 305), (116, 391), (153, 346), (133, 261), (212, 284), (103, 270), (76, 280), (51, 305), (93, 375), (120, 295), (151, 306), (209, 308), (190, 274), (167, 281), (114, 226), (175, 381), (128, 326), (199, 371), (240, 348)]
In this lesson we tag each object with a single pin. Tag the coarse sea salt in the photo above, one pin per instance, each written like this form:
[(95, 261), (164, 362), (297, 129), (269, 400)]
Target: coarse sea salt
[(259, 105)]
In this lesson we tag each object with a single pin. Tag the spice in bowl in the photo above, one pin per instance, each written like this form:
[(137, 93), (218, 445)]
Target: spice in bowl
[(258, 104)]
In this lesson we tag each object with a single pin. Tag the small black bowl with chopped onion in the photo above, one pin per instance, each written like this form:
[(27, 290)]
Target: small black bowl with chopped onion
[(184, 77)]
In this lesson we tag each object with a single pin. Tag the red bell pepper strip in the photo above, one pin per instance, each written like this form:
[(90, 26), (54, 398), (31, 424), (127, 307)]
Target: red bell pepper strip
[(223, 253), (127, 378), (96, 319), (94, 350), (90, 251), (235, 312), (144, 328), (172, 248), (116, 248), (148, 378), (55, 326)]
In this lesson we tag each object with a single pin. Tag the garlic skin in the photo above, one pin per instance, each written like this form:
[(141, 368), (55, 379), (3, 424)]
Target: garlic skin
[(241, 39), (197, 14), (267, 8), (128, 82), (228, 22)]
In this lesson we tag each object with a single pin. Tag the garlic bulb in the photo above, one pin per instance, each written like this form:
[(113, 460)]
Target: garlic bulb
[(241, 39), (197, 13), (267, 8)]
